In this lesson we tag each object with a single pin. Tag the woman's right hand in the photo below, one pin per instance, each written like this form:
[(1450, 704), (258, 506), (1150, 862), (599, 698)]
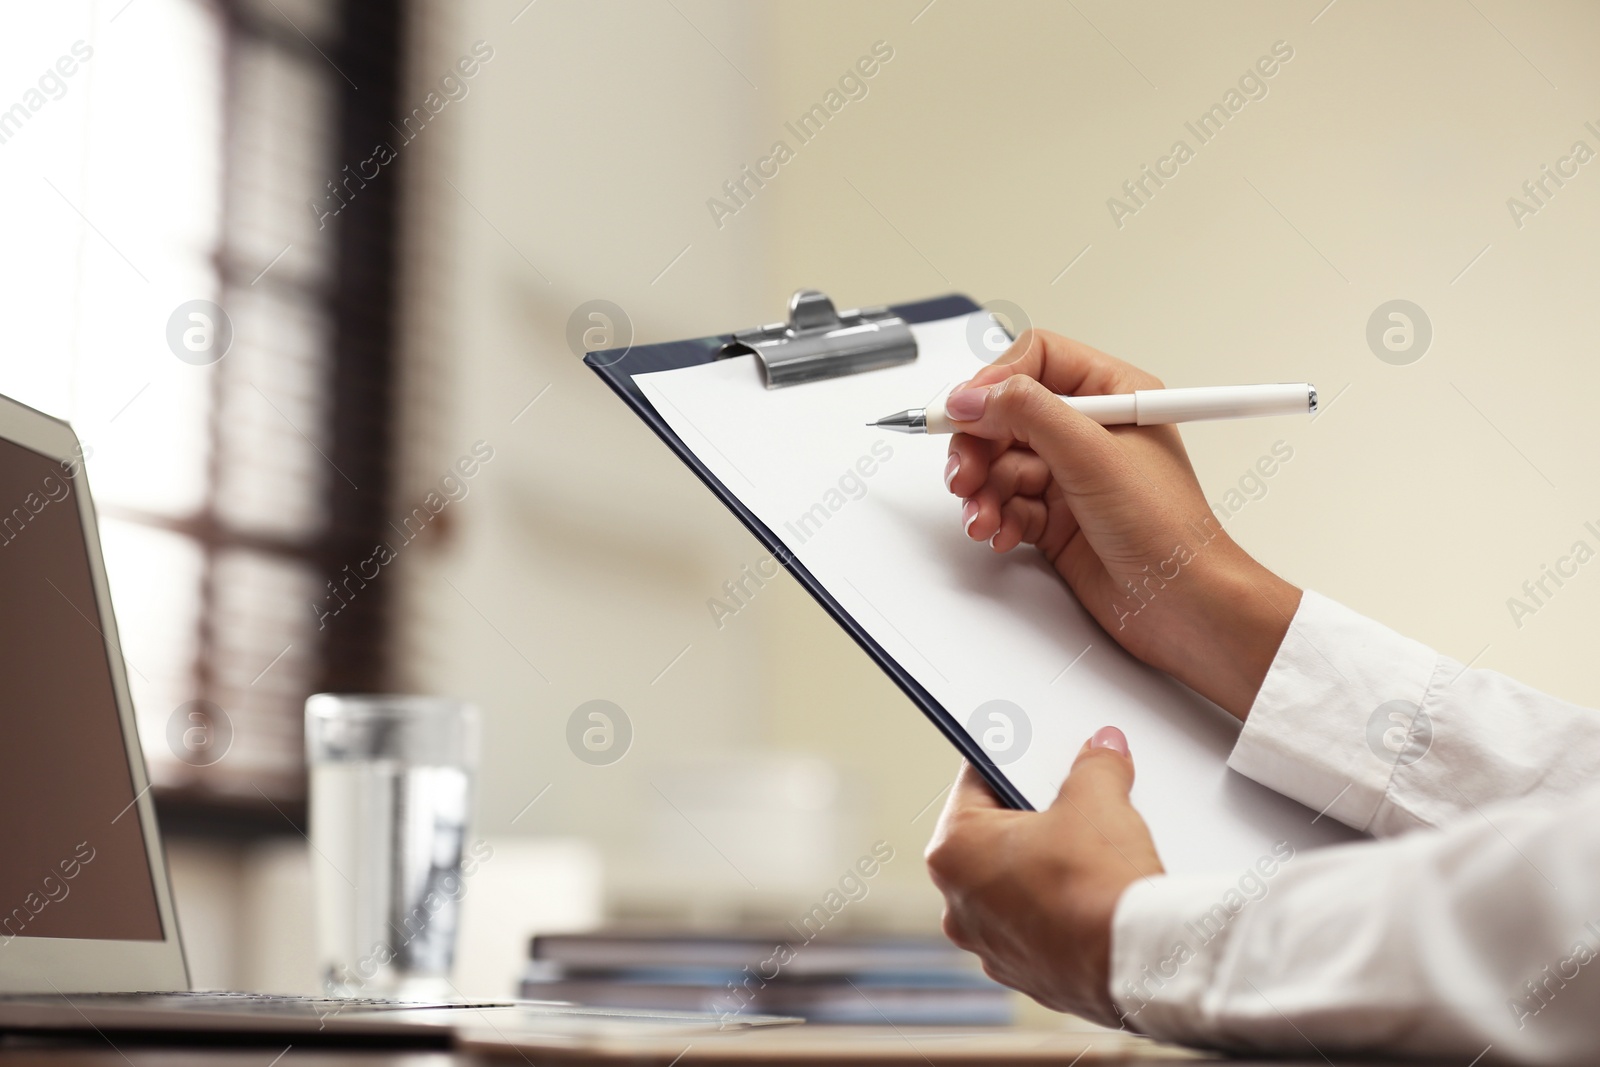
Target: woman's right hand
[(1118, 512)]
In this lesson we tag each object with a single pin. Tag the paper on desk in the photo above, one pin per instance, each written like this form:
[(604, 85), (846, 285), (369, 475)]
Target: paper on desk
[(867, 513)]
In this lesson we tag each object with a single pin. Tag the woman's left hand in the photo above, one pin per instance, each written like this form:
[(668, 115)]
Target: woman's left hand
[(1033, 893)]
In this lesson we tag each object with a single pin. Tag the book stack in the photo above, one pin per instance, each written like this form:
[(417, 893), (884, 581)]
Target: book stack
[(896, 981)]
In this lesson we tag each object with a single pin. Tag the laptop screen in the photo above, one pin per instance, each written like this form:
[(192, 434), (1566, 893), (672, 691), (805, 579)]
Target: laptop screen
[(72, 854)]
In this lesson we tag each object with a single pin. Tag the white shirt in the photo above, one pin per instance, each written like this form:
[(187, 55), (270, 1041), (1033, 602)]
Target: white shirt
[(1475, 924)]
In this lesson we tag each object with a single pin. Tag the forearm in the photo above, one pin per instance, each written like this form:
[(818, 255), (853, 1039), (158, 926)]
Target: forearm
[(1440, 943)]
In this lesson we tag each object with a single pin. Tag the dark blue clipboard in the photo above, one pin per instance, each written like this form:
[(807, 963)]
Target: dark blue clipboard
[(618, 373)]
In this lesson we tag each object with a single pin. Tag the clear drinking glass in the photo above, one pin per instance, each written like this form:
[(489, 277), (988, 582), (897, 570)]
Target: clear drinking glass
[(391, 789)]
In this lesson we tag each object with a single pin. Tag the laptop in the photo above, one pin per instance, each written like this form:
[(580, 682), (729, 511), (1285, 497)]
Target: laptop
[(88, 936)]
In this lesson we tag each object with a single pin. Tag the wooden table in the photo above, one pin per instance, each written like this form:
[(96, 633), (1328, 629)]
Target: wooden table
[(1062, 1048)]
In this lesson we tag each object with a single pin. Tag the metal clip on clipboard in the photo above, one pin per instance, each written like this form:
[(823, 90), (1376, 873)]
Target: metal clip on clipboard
[(818, 342)]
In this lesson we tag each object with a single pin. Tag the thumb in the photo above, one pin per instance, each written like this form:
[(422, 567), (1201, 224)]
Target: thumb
[(1102, 771), (1081, 454)]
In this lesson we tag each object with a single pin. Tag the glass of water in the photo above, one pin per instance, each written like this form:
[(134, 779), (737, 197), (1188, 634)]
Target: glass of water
[(391, 789)]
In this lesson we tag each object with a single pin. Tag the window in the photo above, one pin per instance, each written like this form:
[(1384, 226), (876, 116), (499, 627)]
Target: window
[(161, 162)]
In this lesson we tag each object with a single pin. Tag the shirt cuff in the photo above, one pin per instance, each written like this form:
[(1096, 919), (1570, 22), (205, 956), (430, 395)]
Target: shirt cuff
[(1340, 691), (1167, 937)]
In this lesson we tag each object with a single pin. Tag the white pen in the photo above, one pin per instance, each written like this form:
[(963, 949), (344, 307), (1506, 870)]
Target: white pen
[(1146, 407)]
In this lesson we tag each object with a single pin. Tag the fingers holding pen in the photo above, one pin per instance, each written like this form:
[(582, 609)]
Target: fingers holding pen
[(1023, 520), (1006, 524), (1007, 508), (967, 467), (974, 462)]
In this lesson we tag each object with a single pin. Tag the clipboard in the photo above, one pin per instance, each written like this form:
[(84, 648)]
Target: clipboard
[(953, 625), (815, 342)]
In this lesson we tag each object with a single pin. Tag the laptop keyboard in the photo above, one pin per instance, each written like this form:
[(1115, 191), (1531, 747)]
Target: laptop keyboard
[(284, 1003)]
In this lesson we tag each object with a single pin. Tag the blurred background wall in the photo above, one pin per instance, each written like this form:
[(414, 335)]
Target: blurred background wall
[(1382, 159)]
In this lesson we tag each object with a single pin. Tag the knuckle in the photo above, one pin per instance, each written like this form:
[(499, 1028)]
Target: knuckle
[(1033, 340), (1137, 377), (948, 855), (1124, 375), (1045, 342), (1016, 395), (941, 857), (954, 931), (1096, 775), (1129, 378)]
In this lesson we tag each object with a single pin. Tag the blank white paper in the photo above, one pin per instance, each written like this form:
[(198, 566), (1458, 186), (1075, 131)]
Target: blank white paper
[(867, 513)]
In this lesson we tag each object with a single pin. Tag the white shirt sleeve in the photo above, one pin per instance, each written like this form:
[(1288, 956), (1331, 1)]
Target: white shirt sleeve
[(1439, 943), (1442, 942), (1386, 735)]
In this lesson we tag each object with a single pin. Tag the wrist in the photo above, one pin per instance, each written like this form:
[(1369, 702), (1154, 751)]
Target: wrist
[(1237, 622)]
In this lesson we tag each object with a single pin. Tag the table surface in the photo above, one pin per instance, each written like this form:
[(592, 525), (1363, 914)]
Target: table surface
[(98, 1052)]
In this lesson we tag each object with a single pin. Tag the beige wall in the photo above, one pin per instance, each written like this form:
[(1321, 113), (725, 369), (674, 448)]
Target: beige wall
[(1377, 166)]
